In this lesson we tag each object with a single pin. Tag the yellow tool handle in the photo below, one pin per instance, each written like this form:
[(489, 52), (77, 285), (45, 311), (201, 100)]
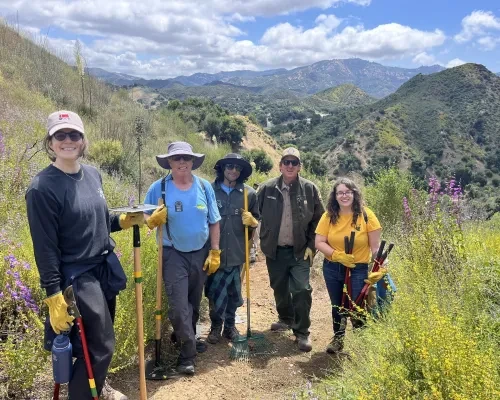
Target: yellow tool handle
[(247, 262)]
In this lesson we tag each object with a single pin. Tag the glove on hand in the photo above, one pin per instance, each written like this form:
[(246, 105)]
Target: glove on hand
[(129, 220), (212, 262), (60, 320), (248, 219), (347, 260), (158, 217), (309, 254), (374, 277)]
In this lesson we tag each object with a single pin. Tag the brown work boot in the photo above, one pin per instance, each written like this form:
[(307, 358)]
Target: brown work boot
[(335, 346), (304, 343), (280, 326), (215, 335), (230, 333), (108, 393)]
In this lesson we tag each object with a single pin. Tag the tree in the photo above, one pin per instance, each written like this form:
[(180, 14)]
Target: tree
[(263, 162), (232, 131), (212, 125), (314, 164)]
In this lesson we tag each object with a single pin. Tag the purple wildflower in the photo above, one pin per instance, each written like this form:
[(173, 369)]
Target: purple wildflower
[(407, 208)]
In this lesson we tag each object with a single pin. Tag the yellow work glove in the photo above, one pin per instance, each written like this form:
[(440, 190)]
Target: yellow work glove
[(60, 320), (158, 217), (130, 219), (347, 260), (212, 262), (309, 254), (248, 219), (374, 277)]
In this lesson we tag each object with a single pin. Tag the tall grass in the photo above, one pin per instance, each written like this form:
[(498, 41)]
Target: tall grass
[(440, 337)]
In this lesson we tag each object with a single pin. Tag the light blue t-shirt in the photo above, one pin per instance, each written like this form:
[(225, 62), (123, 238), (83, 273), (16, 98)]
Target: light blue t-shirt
[(189, 212), (226, 189)]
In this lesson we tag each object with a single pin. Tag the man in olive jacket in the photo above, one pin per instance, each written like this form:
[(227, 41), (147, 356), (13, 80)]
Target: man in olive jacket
[(223, 289), (290, 208)]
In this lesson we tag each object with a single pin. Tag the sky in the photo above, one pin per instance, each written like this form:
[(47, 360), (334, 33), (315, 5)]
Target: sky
[(168, 38)]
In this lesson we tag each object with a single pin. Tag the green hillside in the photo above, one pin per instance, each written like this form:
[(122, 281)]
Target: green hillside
[(343, 96), (446, 124)]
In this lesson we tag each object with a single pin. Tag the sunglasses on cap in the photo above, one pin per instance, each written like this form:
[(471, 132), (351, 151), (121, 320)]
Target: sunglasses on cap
[(291, 162), (183, 157), (74, 136), (237, 167)]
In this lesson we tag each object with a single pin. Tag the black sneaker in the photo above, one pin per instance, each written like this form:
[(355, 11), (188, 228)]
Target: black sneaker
[(230, 333), (214, 335), (186, 368), (201, 346), (336, 345)]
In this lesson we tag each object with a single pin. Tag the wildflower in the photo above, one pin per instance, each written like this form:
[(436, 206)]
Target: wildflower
[(407, 208)]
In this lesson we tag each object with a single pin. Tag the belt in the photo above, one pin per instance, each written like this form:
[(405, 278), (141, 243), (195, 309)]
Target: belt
[(285, 247)]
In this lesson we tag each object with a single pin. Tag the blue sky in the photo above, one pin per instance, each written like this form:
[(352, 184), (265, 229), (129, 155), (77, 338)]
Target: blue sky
[(161, 39)]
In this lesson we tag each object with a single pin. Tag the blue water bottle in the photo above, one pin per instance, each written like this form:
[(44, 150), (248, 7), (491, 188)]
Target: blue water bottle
[(62, 359)]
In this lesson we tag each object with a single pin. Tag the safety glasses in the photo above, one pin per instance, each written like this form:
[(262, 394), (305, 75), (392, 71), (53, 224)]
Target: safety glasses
[(237, 167), (291, 162), (181, 157), (74, 136)]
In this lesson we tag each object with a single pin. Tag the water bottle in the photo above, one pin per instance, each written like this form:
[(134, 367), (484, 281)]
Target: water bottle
[(62, 359)]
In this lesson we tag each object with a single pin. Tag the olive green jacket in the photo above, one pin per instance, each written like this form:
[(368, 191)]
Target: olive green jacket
[(307, 210)]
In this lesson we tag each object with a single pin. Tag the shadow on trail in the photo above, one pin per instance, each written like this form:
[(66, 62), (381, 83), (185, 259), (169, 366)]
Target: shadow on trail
[(321, 365)]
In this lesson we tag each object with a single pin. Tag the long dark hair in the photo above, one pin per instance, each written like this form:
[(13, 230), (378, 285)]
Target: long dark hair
[(333, 206)]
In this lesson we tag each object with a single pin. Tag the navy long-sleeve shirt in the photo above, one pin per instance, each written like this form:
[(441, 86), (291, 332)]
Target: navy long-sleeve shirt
[(69, 221)]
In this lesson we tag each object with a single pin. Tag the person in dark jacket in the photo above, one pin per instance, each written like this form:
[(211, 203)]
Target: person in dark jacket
[(290, 208), (70, 226), (223, 289)]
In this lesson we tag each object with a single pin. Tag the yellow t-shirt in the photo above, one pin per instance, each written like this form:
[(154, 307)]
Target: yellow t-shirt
[(335, 233)]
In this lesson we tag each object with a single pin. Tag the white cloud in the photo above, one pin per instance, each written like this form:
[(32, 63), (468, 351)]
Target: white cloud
[(455, 63), (155, 38), (424, 59), (480, 24), (488, 43)]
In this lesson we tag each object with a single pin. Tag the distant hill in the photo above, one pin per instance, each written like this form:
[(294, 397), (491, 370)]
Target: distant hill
[(445, 123), (343, 96), (375, 79), (115, 78)]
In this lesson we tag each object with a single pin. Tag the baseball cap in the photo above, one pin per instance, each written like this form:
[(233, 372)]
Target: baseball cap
[(291, 151), (64, 119)]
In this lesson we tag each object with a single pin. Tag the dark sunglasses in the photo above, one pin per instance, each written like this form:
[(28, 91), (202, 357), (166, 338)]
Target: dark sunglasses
[(292, 162), (183, 157), (237, 167), (74, 136)]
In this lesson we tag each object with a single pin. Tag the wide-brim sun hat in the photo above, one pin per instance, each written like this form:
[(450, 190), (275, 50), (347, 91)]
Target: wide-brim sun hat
[(234, 158), (180, 148)]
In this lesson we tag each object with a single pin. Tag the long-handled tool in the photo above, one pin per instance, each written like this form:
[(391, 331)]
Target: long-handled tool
[(138, 291), (155, 370), (69, 297), (252, 344), (346, 293), (378, 262)]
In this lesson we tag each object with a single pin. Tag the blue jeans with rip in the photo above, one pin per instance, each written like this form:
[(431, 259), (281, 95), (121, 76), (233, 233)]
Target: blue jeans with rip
[(334, 274)]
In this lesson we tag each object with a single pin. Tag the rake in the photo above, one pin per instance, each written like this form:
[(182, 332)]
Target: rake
[(249, 345)]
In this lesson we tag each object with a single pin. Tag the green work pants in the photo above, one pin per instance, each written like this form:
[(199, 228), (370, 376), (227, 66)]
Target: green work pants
[(289, 278)]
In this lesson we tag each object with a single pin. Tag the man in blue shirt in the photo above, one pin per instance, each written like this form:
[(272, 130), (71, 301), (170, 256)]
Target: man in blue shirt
[(191, 217)]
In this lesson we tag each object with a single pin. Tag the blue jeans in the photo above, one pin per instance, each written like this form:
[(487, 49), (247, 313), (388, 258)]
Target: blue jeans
[(334, 274)]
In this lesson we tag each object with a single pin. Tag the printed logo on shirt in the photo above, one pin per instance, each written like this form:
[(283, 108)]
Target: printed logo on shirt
[(101, 194), (271, 197), (201, 206), (219, 203)]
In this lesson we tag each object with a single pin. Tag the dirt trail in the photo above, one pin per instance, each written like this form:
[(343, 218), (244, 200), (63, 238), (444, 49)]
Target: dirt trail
[(276, 376)]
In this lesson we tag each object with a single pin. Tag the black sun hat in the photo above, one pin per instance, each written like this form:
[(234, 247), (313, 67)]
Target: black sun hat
[(234, 158)]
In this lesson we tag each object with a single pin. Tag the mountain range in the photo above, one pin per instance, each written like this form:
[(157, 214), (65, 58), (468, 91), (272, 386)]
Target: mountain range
[(446, 123), (375, 79)]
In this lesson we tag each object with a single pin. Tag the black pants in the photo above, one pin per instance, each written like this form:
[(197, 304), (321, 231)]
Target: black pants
[(184, 280), (289, 278), (97, 315)]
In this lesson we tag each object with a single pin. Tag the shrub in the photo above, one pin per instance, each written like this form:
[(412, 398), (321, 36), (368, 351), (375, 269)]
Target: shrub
[(263, 162), (108, 154)]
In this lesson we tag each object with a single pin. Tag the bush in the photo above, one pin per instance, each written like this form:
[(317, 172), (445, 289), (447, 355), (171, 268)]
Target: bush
[(108, 154), (263, 162)]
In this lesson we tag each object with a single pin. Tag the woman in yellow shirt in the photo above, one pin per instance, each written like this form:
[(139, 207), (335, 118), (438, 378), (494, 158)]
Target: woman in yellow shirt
[(345, 214)]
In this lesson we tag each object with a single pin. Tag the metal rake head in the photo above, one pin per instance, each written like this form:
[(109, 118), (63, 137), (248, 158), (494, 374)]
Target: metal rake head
[(243, 348)]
